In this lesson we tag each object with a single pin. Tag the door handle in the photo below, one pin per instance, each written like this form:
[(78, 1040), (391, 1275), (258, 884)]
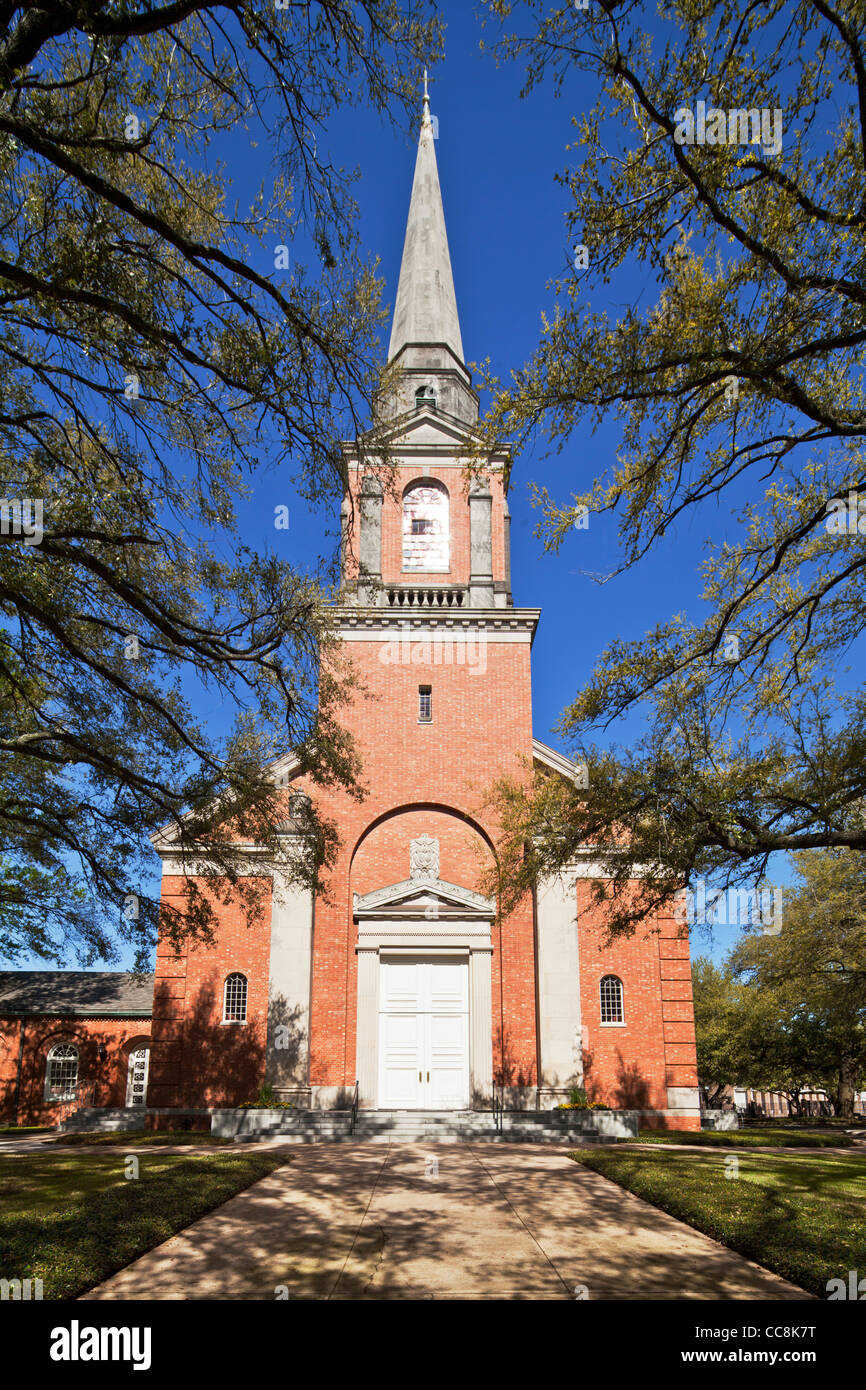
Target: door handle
[(428, 1076), (420, 1077)]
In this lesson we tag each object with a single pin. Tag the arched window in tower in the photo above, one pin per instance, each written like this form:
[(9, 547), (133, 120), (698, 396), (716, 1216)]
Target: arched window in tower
[(425, 527)]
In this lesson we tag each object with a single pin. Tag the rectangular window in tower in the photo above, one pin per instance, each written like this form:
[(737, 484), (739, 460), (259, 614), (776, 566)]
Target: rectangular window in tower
[(425, 704)]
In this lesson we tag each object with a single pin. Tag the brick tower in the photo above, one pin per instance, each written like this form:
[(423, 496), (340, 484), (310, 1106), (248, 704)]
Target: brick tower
[(416, 987)]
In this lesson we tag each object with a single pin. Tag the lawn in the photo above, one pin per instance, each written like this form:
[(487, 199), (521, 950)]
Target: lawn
[(745, 1138), (73, 1219), (807, 1121), (137, 1138), (24, 1129), (804, 1217)]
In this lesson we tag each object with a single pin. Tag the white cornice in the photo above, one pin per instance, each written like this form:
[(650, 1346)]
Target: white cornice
[(382, 624), (193, 863), (556, 761), (422, 895)]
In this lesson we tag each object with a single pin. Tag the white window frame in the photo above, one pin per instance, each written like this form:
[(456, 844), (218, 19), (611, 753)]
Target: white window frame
[(442, 517), (68, 1092), (612, 1023), (236, 975)]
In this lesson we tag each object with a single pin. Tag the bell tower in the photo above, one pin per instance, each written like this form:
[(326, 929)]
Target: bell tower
[(415, 535)]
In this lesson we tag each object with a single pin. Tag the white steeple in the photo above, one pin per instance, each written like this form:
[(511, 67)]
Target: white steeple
[(426, 307)]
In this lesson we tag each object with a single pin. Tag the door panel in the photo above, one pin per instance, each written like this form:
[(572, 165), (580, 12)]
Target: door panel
[(402, 1051), (448, 1055), (424, 1034), (448, 987), (403, 984)]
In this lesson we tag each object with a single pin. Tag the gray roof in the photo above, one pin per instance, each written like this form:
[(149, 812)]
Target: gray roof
[(95, 992)]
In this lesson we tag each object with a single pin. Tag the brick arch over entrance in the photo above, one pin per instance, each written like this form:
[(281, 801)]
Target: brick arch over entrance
[(422, 934), (382, 853)]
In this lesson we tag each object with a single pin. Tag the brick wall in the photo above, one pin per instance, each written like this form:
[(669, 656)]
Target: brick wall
[(392, 526), (197, 1059), (631, 1066), (423, 778), (40, 1034)]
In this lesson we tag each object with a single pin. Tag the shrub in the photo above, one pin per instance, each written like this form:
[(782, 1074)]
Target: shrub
[(266, 1100), (577, 1101)]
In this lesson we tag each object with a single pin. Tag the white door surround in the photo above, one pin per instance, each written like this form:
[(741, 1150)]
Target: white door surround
[(429, 926), (136, 1075)]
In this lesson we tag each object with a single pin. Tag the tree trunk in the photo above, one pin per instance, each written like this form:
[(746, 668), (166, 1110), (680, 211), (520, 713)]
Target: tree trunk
[(843, 1101)]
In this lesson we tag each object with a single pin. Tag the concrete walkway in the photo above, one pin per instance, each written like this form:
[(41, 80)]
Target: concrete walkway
[(11, 1144), (425, 1221)]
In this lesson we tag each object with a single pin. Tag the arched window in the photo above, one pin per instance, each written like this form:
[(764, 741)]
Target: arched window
[(61, 1072), (235, 999), (611, 999), (425, 527), (425, 396)]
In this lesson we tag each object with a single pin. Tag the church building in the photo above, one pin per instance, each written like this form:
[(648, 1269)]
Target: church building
[(405, 977)]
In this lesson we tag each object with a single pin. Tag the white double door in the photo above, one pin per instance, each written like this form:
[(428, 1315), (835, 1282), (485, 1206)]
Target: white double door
[(423, 1033)]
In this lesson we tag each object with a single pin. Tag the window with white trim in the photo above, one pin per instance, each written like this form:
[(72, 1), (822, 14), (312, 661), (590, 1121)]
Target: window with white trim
[(610, 990), (426, 536), (235, 999), (425, 704), (61, 1072)]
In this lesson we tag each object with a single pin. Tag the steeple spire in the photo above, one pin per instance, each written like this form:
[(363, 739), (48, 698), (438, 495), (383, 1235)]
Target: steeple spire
[(426, 308)]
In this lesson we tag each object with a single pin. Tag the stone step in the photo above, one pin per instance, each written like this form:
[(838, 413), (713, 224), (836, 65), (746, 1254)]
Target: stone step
[(372, 1126), (420, 1127), (405, 1127), (102, 1119)]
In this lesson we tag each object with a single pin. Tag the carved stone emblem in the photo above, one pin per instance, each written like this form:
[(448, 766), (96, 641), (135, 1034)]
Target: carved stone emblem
[(424, 859)]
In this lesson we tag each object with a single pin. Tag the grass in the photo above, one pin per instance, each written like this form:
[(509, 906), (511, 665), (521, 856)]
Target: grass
[(71, 1220), (139, 1138), (804, 1217), (25, 1129), (807, 1121), (744, 1138)]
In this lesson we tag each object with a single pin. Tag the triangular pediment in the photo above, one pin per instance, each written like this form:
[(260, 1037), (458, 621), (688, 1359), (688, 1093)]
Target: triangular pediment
[(430, 427), (416, 427), (419, 898)]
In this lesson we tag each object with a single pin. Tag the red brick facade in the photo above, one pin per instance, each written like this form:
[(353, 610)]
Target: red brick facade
[(25, 1043), (198, 1060), (631, 1065), (427, 779)]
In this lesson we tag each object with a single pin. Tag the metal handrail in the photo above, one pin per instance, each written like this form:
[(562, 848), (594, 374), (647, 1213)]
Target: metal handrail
[(69, 1105), (354, 1117), (498, 1107)]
